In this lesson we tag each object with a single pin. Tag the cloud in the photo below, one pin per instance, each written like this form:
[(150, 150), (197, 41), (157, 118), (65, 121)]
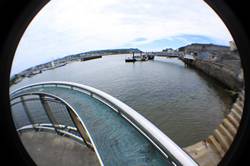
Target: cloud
[(140, 39), (172, 42), (65, 27)]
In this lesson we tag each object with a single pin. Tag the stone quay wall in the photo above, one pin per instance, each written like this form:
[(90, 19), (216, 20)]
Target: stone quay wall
[(221, 73)]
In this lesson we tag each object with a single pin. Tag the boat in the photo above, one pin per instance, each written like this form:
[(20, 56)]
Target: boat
[(141, 57), (151, 57), (131, 59), (144, 58)]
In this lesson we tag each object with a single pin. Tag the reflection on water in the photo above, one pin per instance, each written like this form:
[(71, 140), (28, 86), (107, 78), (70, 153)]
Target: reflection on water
[(185, 104)]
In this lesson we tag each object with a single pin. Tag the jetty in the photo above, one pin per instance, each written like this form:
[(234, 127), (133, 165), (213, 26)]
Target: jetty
[(90, 57)]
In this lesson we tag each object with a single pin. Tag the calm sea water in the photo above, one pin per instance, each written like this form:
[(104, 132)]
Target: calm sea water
[(184, 103)]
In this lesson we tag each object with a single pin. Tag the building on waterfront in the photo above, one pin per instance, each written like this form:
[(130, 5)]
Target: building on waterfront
[(197, 47), (52, 64), (221, 62), (233, 46)]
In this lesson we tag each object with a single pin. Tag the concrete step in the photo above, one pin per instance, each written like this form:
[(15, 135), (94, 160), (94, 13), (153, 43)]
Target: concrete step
[(197, 150), (199, 154), (240, 103), (211, 140), (232, 119), (241, 96), (229, 126), (238, 108), (226, 133), (235, 114), (204, 154), (221, 140)]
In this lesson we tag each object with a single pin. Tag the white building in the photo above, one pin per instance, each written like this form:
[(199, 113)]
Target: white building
[(233, 46)]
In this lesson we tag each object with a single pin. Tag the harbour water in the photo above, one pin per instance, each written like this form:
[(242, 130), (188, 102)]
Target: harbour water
[(184, 103)]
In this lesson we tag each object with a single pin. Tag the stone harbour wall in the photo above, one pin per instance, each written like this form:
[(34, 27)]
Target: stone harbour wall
[(229, 78)]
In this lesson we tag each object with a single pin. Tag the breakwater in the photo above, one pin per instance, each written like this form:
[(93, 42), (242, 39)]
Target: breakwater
[(90, 57)]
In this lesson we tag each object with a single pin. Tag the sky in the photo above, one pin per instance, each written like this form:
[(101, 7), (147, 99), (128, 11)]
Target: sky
[(66, 27)]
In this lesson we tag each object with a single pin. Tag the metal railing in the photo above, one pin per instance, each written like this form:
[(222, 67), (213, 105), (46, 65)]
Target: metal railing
[(75, 128), (164, 144)]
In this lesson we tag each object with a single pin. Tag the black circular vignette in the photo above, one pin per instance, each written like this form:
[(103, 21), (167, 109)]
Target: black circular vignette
[(15, 17)]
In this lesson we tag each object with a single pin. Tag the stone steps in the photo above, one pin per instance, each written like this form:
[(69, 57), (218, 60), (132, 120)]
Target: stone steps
[(229, 126), (235, 114), (240, 103), (241, 96), (226, 133), (222, 137), (238, 108), (216, 145), (231, 118), (221, 140)]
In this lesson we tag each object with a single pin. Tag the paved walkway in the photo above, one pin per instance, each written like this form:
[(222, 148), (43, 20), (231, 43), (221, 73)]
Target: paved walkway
[(47, 147)]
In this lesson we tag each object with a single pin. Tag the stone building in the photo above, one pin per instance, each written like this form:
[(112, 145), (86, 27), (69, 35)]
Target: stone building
[(220, 62)]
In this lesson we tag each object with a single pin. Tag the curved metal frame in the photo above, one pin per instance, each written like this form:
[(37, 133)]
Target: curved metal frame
[(80, 126), (148, 129), (48, 127)]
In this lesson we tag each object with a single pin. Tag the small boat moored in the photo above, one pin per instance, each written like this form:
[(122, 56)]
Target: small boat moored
[(131, 59)]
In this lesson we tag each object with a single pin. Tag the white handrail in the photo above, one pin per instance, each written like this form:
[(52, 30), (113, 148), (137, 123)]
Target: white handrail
[(163, 141)]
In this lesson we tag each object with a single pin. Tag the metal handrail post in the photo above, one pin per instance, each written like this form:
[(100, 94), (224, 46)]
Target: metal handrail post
[(48, 112), (26, 110), (79, 127)]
